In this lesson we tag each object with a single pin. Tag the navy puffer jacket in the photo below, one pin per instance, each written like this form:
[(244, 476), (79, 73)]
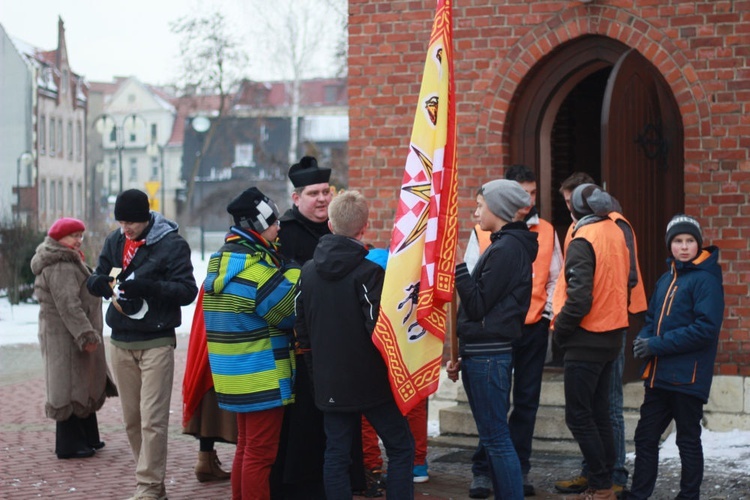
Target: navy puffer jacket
[(683, 324)]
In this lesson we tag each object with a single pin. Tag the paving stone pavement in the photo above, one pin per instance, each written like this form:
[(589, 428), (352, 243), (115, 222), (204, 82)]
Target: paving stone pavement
[(29, 468)]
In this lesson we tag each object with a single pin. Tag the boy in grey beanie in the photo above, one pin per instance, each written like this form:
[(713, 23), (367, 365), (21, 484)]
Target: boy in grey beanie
[(504, 198)]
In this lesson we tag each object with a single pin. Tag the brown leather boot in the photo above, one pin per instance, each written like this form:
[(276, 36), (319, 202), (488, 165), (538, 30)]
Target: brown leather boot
[(208, 467)]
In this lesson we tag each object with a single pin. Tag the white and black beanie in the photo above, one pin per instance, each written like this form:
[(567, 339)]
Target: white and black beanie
[(254, 210), (684, 224)]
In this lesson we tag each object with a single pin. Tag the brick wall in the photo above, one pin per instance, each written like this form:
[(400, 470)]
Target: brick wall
[(702, 48)]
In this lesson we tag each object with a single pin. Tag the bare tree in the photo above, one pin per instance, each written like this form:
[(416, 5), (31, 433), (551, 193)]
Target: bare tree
[(301, 39), (212, 63)]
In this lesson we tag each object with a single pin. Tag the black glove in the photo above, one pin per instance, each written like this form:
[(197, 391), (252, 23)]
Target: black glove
[(100, 285), (641, 349), (130, 307), (137, 288)]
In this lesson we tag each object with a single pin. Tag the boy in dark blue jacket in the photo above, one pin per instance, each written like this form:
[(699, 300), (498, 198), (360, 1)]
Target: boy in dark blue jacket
[(678, 343), (337, 308)]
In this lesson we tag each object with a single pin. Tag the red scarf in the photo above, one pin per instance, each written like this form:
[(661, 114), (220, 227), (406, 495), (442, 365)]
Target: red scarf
[(129, 250)]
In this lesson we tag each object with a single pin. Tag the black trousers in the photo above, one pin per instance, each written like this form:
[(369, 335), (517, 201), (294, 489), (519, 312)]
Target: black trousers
[(587, 417), (659, 408), (75, 434)]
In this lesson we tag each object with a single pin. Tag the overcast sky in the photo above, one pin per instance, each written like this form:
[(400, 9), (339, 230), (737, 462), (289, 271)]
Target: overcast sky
[(115, 38)]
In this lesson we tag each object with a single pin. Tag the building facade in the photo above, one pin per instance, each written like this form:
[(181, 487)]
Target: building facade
[(652, 98), (135, 127), (250, 144), (44, 110)]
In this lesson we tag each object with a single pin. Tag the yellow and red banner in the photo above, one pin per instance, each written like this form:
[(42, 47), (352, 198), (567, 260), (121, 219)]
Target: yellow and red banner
[(421, 266)]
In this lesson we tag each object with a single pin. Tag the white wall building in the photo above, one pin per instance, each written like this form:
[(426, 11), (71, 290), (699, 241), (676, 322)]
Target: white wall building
[(135, 128)]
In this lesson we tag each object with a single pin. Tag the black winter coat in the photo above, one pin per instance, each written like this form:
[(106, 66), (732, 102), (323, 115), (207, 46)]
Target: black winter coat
[(337, 308), (495, 297), (299, 236), (163, 259)]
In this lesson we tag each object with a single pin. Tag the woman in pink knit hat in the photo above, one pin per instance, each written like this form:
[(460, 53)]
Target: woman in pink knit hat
[(70, 336)]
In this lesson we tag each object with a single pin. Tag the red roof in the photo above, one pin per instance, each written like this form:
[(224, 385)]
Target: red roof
[(319, 92)]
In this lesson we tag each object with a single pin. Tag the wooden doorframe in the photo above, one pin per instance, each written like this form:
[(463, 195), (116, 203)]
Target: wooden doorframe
[(542, 92)]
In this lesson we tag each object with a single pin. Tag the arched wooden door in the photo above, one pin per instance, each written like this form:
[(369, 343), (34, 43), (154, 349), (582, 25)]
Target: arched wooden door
[(596, 105), (642, 155)]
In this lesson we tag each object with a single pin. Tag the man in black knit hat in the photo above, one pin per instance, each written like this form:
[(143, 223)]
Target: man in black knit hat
[(145, 268)]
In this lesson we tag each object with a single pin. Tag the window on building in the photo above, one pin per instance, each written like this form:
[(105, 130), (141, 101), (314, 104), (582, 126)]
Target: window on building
[(133, 169), (153, 133), (52, 137), (43, 196), (154, 168), (42, 134), (113, 173), (331, 93), (59, 137), (60, 196), (243, 155), (70, 139), (79, 200), (52, 197), (79, 139), (71, 198), (113, 135), (133, 137)]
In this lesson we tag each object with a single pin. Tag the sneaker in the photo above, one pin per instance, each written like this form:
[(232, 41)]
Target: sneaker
[(481, 487), (373, 480), (528, 488), (578, 484), (420, 473), (590, 494)]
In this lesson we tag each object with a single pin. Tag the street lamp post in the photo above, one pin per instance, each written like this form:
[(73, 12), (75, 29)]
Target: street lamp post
[(129, 122), (155, 149), (22, 158)]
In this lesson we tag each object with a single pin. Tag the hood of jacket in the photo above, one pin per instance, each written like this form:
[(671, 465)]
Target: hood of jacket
[(521, 233), (336, 256), (707, 260), (235, 256), (51, 251), (160, 227)]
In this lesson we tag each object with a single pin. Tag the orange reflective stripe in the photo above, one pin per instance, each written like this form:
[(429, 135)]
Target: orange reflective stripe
[(638, 302), (546, 239)]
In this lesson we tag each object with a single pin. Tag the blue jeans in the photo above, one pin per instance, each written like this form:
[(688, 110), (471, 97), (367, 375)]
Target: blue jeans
[(392, 428), (658, 409), (587, 417), (529, 352), (487, 381)]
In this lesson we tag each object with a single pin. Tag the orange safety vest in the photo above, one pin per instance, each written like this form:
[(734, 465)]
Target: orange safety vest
[(638, 302), (559, 295), (609, 309), (540, 267)]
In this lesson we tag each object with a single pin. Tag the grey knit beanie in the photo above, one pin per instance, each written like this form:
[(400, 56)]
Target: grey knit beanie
[(589, 199), (504, 198)]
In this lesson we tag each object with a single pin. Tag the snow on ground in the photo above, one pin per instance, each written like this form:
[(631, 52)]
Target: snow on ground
[(729, 451)]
